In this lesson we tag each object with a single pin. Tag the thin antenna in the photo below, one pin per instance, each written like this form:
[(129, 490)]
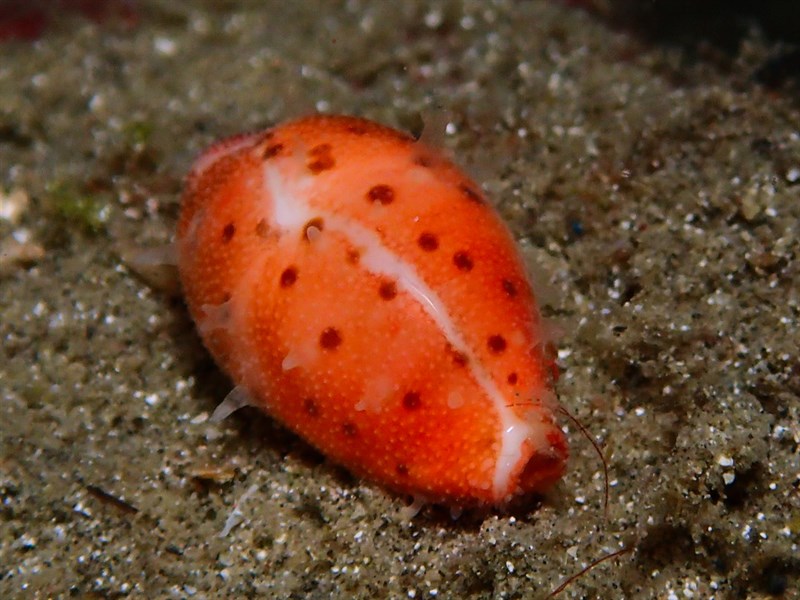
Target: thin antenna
[(597, 449), (582, 572)]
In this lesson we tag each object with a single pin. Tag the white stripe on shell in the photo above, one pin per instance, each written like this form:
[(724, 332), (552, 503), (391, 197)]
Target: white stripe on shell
[(291, 212)]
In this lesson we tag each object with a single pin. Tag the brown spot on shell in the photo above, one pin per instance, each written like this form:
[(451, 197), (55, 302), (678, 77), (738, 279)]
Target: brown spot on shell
[(424, 161), (288, 277), (353, 256), (357, 127), (411, 401), (388, 290), (401, 469), (512, 378), (227, 232), (509, 288), (459, 358), (463, 261), (496, 343), (428, 241), (470, 194), (350, 429), (381, 193), (272, 151), (330, 338), (262, 228), (320, 159), (311, 407), (316, 223)]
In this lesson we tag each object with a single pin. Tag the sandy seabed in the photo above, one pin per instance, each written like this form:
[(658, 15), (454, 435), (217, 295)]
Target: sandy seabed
[(654, 192)]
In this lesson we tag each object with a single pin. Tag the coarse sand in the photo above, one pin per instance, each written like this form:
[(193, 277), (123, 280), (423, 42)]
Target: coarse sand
[(654, 189)]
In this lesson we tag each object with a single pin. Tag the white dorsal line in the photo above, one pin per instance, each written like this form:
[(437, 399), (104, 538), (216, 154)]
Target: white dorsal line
[(291, 211)]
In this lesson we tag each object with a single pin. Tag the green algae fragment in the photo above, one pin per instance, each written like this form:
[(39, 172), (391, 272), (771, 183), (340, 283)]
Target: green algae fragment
[(137, 133), (78, 210)]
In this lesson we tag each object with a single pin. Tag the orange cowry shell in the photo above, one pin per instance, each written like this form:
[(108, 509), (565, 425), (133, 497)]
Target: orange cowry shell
[(360, 289)]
